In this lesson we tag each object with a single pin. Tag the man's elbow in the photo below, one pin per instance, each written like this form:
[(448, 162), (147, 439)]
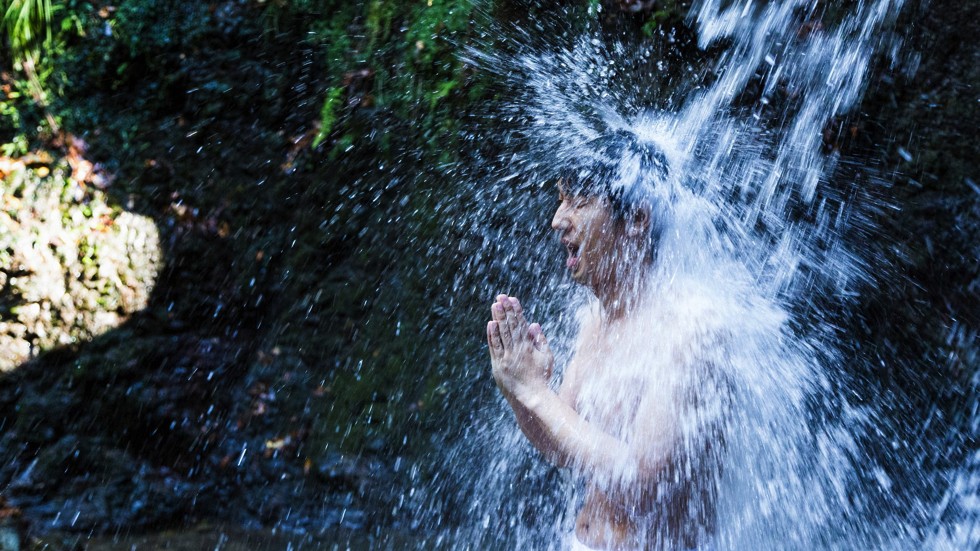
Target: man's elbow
[(651, 470)]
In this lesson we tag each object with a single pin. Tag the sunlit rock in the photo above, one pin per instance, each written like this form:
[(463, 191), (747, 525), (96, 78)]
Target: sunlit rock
[(71, 265)]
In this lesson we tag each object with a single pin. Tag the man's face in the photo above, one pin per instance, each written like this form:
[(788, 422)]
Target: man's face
[(589, 233)]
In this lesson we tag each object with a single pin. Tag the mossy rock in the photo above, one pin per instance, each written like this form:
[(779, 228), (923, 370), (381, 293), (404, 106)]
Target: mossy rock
[(74, 266)]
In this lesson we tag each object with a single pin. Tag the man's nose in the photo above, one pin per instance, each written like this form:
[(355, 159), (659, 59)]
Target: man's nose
[(560, 220)]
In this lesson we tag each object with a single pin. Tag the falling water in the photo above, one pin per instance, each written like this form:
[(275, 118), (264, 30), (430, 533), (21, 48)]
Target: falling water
[(757, 243)]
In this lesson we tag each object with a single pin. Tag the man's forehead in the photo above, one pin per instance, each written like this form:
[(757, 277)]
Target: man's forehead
[(569, 187)]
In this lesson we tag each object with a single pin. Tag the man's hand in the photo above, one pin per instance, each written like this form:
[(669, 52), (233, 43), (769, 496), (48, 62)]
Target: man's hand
[(519, 353)]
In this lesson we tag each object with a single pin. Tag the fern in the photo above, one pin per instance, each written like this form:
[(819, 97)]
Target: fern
[(27, 24)]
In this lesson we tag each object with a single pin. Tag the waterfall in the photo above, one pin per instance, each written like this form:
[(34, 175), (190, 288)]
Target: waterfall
[(757, 242)]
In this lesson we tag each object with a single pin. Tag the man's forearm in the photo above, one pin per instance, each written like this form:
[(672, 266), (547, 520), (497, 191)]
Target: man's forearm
[(573, 440), (567, 439), (535, 431)]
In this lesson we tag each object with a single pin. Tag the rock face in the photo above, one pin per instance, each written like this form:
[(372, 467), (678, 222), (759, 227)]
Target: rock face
[(71, 267)]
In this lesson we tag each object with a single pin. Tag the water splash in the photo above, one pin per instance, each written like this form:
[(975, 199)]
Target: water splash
[(755, 229)]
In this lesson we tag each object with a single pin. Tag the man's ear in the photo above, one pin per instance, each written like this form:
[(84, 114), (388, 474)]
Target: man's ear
[(639, 221)]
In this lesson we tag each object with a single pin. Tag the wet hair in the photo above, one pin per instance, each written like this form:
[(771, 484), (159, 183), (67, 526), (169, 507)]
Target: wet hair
[(619, 167)]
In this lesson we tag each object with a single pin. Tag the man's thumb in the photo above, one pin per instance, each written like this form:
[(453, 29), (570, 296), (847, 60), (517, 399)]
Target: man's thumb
[(537, 337)]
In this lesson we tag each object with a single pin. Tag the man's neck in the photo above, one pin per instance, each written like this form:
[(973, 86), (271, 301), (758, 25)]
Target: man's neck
[(622, 293)]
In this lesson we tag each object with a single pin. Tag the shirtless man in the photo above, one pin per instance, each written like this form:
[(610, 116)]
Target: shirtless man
[(621, 419)]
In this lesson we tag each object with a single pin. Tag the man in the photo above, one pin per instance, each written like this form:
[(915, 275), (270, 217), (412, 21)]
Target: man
[(638, 414)]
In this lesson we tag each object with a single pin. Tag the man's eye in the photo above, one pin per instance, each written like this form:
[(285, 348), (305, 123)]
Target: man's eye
[(579, 203)]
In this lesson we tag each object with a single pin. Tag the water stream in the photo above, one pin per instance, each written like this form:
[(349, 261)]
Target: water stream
[(763, 239)]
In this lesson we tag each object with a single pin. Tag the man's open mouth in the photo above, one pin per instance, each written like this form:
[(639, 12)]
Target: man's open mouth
[(572, 260)]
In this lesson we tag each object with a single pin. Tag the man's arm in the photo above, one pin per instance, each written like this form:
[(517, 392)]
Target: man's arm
[(536, 433), (521, 364), (567, 439), (526, 421), (531, 426)]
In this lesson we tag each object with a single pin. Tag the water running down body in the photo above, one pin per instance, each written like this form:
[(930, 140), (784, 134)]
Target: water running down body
[(700, 406), (642, 425)]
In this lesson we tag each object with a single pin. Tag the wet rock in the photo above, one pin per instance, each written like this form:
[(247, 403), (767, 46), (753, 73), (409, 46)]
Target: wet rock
[(350, 472), (116, 495), (10, 539), (13, 527), (635, 6)]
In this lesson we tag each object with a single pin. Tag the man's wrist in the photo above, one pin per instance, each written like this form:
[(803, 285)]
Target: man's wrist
[(531, 393)]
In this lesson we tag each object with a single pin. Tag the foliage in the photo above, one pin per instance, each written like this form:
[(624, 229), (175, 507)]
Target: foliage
[(27, 26), (389, 57), (384, 62), (35, 32)]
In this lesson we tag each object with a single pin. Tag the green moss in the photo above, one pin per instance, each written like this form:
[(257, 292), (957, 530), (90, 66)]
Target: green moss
[(328, 114), (668, 11)]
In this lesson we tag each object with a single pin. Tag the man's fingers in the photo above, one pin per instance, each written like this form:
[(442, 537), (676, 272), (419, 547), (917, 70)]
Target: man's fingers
[(514, 324), (493, 339), (511, 327), (497, 312), (519, 314), (503, 327), (540, 343), (536, 335)]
